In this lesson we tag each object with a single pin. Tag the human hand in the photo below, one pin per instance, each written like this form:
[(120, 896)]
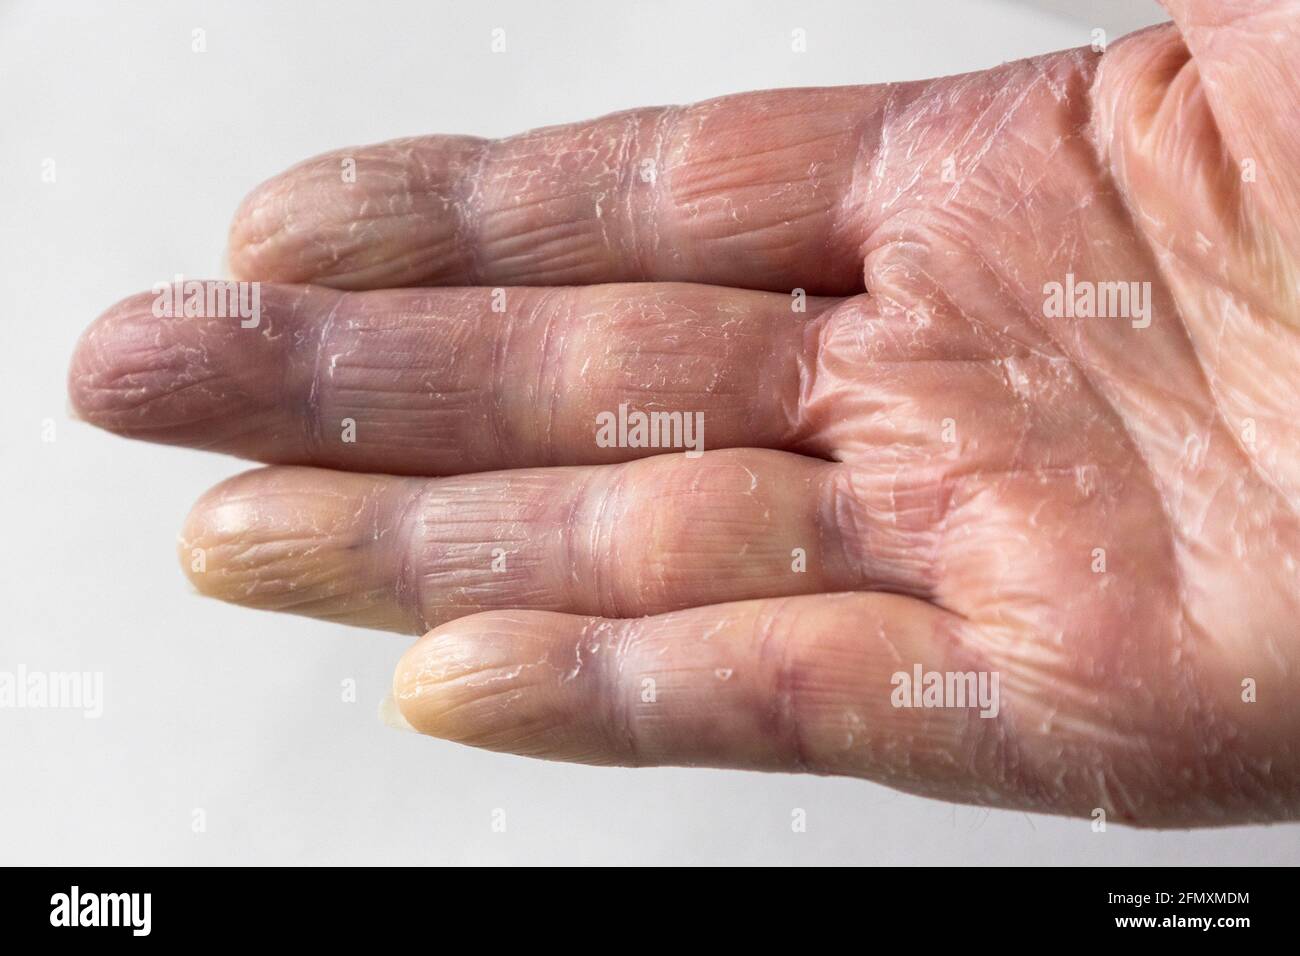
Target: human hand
[(928, 467)]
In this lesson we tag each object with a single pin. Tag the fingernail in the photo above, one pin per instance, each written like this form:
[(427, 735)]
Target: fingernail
[(391, 715)]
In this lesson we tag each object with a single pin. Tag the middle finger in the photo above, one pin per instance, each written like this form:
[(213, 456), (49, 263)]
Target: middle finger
[(452, 381)]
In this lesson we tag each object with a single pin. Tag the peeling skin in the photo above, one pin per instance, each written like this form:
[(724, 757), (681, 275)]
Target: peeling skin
[(950, 461)]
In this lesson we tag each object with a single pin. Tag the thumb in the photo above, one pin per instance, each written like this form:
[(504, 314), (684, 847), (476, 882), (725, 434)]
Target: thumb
[(1245, 52)]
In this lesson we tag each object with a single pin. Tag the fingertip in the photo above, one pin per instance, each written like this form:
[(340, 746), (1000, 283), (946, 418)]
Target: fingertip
[(149, 368), (300, 540), (217, 525), (441, 674), (358, 218), (107, 355), (253, 234), (488, 680), (144, 375)]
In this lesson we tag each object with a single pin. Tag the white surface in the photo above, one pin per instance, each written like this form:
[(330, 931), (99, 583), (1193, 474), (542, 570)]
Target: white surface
[(240, 713)]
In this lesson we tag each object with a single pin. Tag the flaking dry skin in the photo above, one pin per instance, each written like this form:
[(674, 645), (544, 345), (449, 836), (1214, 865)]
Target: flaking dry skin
[(953, 463)]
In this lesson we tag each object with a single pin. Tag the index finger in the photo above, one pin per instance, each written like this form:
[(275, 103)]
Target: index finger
[(749, 191)]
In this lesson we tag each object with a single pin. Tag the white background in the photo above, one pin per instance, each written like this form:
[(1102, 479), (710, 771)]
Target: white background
[(239, 713)]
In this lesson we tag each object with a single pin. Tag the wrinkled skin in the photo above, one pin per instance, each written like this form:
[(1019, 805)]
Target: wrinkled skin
[(1104, 515)]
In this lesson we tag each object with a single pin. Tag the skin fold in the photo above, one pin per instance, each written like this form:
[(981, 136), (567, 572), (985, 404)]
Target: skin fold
[(1102, 513)]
